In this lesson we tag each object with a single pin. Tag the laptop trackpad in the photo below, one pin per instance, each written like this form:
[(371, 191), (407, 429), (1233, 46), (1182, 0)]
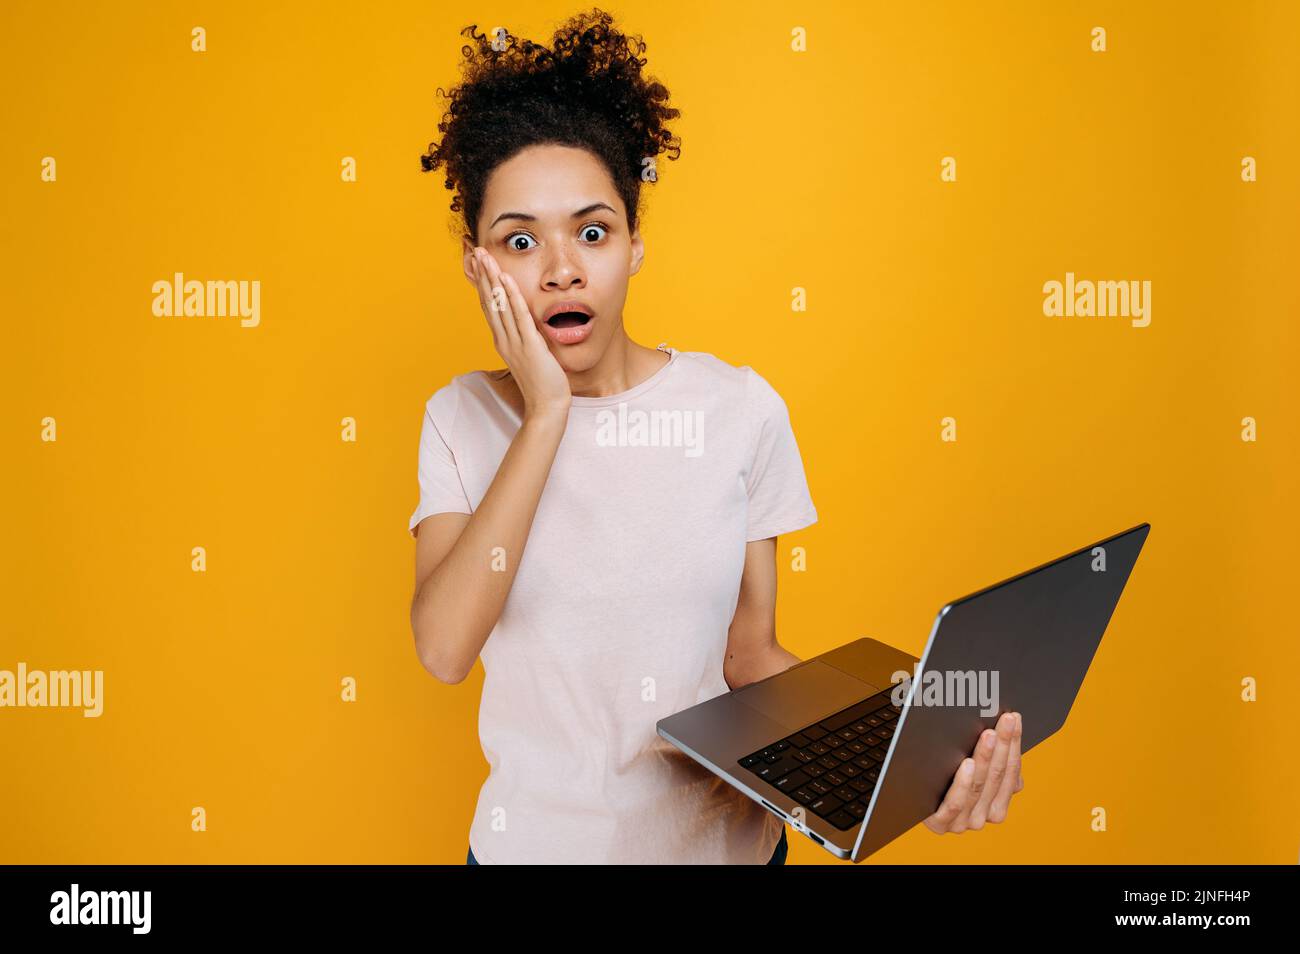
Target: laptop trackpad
[(805, 694)]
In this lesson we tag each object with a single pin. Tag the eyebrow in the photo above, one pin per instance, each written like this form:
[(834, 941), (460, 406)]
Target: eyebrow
[(525, 217)]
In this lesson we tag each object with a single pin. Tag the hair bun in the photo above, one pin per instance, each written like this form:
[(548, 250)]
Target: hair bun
[(586, 89)]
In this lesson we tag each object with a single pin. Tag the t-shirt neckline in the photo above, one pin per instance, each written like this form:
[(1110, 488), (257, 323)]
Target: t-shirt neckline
[(633, 391)]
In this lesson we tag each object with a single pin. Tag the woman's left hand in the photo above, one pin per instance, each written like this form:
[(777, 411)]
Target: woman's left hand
[(982, 788)]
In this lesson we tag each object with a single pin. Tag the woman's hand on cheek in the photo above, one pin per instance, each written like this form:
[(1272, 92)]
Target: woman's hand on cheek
[(982, 789), (541, 381)]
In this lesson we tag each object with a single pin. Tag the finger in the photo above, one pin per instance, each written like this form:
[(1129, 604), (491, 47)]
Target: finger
[(1020, 769), (523, 316), (982, 756), (499, 339), (997, 769), (502, 322), (954, 800), (1005, 731), (500, 300), (1001, 803)]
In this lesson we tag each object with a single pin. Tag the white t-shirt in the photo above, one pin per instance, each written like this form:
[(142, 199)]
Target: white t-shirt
[(619, 612)]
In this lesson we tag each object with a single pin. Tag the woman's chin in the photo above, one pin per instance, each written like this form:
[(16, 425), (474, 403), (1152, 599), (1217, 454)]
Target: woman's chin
[(575, 359)]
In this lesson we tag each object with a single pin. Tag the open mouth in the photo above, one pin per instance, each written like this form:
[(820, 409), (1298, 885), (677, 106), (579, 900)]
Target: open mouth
[(568, 319)]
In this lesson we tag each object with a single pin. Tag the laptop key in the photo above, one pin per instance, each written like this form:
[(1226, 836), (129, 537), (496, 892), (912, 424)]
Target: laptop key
[(799, 740), (813, 732), (792, 781), (825, 805), (857, 810), (770, 773), (802, 795), (845, 794), (841, 820), (851, 714)]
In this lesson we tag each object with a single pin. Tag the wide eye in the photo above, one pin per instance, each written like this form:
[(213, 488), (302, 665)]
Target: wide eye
[(513, 240), (594, 226)]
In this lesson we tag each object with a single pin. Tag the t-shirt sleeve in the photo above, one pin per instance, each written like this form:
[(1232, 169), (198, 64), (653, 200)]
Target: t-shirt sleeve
[(441, 488), (779, 501)]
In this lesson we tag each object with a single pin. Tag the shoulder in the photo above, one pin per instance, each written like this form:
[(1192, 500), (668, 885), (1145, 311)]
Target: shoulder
[(748, 386), (448, 402), (718, 372)]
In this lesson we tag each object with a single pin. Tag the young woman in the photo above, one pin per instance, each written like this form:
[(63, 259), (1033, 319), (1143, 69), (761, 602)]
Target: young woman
[(597, 520)]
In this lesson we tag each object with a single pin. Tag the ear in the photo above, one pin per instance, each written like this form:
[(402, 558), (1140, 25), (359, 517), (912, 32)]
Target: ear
[(467, 260), (638, 252)]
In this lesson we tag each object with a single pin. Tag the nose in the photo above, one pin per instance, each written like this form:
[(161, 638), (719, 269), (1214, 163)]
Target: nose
[(562, 269)]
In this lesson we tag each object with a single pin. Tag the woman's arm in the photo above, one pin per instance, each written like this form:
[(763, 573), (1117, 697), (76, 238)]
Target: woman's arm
[(459, 592), (752, 650)]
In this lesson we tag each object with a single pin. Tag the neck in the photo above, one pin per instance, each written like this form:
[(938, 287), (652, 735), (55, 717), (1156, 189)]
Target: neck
[(623, 366)]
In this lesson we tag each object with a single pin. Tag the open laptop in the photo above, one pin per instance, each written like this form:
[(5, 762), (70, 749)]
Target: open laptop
[(858, 745)]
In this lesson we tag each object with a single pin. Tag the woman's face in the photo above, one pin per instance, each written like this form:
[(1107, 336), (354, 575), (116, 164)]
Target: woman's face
[(552, 218)]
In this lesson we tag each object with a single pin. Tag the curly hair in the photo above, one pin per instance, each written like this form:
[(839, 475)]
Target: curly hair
[(585, 91)]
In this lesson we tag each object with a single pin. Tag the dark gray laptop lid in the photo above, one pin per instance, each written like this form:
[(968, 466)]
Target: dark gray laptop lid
[(1039, 632)]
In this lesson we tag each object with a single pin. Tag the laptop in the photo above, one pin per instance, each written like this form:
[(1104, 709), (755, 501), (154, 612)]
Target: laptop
[(858, 745)]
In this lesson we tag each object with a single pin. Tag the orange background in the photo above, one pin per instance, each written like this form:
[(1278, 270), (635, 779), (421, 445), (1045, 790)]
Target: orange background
[(818, 170)]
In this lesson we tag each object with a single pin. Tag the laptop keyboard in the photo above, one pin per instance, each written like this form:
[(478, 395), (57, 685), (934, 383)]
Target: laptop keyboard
[(831, 766)]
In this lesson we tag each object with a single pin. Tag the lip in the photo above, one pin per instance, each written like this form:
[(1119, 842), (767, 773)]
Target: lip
[(570, 304), (568, 336)]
